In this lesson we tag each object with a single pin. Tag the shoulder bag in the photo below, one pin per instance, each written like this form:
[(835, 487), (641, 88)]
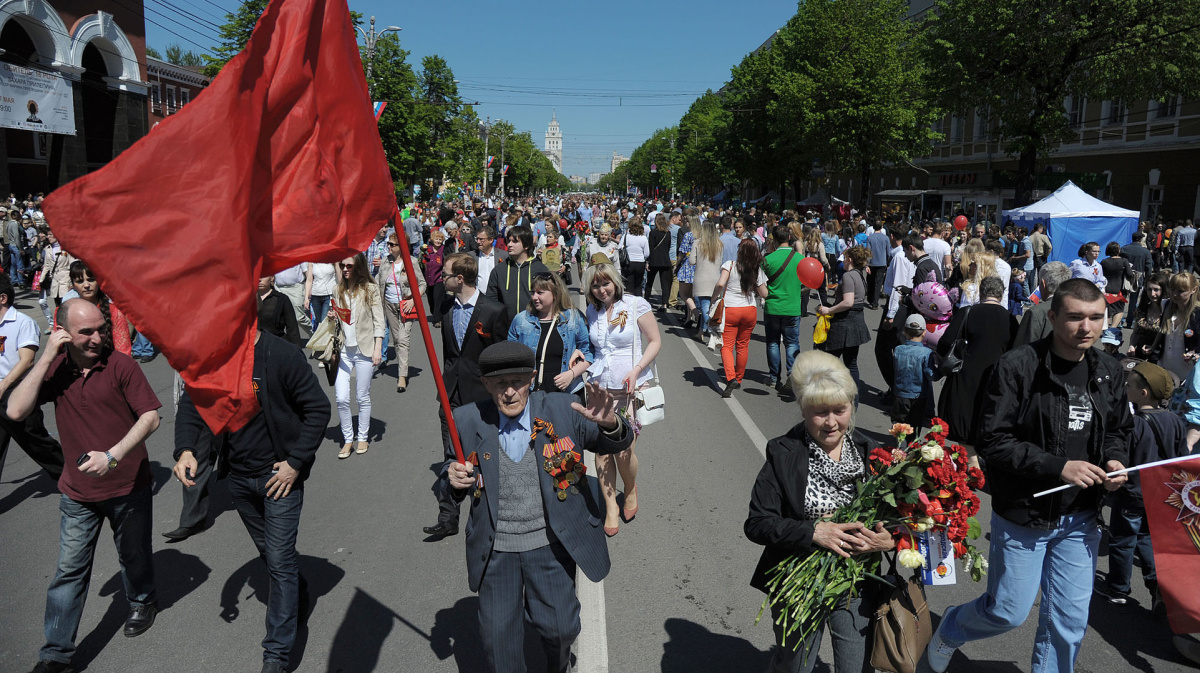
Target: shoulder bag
[(649, 404), (953, 362), (410, 314), (902, 628), (771, 278)]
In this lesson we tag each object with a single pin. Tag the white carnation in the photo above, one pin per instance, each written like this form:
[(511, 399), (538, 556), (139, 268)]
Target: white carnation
[(910, 558), (931, 452)]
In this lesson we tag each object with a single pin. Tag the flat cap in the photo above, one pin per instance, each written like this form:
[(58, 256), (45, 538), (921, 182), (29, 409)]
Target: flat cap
[(506, 357)]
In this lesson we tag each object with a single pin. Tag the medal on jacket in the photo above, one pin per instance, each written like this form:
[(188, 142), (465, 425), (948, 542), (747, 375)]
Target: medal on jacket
[(474, 460), (563, 464)]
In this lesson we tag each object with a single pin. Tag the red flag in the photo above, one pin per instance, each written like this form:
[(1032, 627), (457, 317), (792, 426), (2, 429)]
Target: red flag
[(1172, 497), (277, 162)]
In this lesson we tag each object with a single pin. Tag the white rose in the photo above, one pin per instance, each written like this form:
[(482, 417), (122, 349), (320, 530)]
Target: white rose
[(931, 452), (923, 524), (910, 558)]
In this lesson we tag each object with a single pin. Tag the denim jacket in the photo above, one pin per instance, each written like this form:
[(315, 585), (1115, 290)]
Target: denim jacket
[(914, 370), (571, 327)]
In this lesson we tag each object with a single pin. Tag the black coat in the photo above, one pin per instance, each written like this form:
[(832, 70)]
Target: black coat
[(1021, 432), (512, 283), (295, 407), (489, 325), (776, 518), (277, 316), (660, 249)]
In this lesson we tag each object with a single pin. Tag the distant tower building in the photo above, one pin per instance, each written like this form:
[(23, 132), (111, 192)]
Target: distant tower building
[(617, 160), (553, 149)]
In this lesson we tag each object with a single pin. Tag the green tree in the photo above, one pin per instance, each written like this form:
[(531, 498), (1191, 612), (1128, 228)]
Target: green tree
[(1020, 59), (404, 136), (846, 77), (702, 165), (177, 55), (758, 145), (657, 151), (234, 34)]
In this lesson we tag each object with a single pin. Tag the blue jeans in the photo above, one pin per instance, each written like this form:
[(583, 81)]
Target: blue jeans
[(319, 304), (1061, 562), (786, 327), (130, 518), (1129, 533), (273, 525), (142, 347), (15, 267), (704, 304)]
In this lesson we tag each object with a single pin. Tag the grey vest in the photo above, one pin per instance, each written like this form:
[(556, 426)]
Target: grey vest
[(521, 521)]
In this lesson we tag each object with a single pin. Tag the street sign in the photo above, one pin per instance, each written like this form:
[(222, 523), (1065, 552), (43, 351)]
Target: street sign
[(490, 174), (653, 168)]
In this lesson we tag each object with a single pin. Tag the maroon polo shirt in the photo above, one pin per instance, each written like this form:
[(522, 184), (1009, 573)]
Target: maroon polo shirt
[(94, 413)]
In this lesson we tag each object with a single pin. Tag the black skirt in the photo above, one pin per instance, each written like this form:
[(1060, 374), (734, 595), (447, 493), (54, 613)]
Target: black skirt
[(847, 330)]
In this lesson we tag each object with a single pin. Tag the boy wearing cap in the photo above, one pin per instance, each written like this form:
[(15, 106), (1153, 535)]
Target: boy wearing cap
[(1158, 434), (913, 363)]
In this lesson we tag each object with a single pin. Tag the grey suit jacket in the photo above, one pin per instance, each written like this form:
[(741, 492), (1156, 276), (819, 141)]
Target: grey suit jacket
[(574, 521)]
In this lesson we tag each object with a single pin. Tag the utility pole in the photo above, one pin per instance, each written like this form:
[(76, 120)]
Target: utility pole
[(370, 38), (502, 171), (487, 135)]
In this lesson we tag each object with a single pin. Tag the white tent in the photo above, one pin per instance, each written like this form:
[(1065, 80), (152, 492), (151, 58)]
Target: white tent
[(1074, 217)]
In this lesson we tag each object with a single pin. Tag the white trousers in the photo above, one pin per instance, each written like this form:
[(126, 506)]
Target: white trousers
[(364, 371)]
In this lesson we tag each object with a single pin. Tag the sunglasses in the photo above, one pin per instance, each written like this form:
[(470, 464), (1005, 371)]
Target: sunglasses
[(543, 275), (345, 266), (393, 245)]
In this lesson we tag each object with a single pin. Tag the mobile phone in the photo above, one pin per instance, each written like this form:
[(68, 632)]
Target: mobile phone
[(82, 459), (188, 473)]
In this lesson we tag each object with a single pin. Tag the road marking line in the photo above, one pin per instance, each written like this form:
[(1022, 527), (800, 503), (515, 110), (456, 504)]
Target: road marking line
[(739, 412)]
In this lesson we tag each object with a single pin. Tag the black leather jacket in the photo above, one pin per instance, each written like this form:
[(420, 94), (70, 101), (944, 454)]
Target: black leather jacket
[(1021, 433)]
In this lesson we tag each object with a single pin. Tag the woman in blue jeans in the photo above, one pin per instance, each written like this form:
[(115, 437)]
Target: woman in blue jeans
[(557, 333), (707, 252)]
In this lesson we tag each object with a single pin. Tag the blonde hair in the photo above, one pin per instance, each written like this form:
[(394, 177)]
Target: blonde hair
[(562, 299), (971, 250), (821, 378), (1180, 282), (437, 234), (709, 240), (601, 273)]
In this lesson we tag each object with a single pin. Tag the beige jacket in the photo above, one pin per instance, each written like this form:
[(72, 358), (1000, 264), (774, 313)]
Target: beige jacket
[(366, 314), (60, 267), (384, 274)]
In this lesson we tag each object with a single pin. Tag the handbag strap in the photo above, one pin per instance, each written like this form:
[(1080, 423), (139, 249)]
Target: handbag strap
[(771, 278), (636, 354)]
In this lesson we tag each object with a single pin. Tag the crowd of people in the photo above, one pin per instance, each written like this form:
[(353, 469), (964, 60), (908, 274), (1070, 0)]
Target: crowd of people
[(1028, 349)]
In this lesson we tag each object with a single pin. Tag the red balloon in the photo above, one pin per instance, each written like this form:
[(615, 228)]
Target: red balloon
[(961, 222), (810, 272)]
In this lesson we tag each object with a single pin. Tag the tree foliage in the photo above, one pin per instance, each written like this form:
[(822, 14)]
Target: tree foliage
[(703, 166), (1020, 59)]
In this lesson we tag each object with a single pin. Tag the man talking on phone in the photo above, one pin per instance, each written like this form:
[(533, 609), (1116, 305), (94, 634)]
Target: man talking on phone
[(266, 463), (104, 409)]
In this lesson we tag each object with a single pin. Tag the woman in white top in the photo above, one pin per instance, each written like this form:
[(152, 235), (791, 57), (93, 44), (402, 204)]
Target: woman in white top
[(741, 281), (604, 244), (625, 341), (360, 311), (398, 305), (324, 279), (637, 246)]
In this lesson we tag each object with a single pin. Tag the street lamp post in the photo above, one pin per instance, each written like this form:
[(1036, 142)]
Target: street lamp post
[(370, 38)]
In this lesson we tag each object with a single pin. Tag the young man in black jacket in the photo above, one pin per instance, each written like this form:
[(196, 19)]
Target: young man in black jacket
[(511, 281), (1055, 411), (266, 463)]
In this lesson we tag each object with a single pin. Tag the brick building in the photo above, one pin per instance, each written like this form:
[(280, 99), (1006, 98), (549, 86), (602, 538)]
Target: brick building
[(93, 52), (171, 87)]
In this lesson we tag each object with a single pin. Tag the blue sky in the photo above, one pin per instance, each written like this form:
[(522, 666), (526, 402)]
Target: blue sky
[(614, 72)]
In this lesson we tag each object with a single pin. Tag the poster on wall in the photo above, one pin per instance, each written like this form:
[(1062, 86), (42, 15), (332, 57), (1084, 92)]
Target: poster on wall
[(35, 100)]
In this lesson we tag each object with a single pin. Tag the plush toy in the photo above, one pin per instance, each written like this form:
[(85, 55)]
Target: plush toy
[(933, 301)]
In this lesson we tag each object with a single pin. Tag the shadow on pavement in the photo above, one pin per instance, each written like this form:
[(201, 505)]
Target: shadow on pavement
[(175, 574), (1134, 633), (318, 575), (37, 485), (691, 648), (699, 379)]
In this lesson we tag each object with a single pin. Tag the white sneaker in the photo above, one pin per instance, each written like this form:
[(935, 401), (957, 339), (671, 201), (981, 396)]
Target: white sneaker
[(939, 652)]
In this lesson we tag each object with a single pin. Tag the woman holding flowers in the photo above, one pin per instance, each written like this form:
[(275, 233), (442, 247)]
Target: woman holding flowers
[(811, 472)]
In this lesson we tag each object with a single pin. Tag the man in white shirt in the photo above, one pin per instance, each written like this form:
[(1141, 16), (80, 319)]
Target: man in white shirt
[(899, 275), (296, 284), (937, 248), (19, 341), (1003, 268), (488, 255)]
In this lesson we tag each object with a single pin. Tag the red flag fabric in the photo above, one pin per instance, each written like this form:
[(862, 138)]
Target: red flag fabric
[(1172, 497), (277, 162)]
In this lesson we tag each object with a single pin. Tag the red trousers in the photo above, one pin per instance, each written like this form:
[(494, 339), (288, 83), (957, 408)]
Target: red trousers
[(739, 325)]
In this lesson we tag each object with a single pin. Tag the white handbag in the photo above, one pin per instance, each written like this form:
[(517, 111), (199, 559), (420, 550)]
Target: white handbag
[(649, 403)]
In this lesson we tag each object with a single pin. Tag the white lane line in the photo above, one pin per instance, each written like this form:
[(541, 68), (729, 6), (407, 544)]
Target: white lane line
[(739, 412)]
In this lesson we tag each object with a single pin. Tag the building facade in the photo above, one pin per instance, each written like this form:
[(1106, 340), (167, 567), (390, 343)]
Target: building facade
[(594, 177), (84, 60), (171, 87), (617, 160), (553, 149)]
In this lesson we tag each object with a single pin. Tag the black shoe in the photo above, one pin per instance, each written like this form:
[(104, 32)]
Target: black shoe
[(730, 386), (184, 532), (443, 529), (1113, 596), (272, 667), (141, 618), (52, 667), (784, 386)]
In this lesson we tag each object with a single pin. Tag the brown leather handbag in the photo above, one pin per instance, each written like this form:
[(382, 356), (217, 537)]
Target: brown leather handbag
[(902, 627)]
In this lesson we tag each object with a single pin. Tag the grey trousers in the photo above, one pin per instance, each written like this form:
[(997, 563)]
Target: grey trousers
[(401, 332), (538, 586), (850, 627), (295, 293)]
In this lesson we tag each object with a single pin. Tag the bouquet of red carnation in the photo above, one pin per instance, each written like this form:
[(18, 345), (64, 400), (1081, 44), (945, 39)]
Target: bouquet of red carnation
[(915, 488)]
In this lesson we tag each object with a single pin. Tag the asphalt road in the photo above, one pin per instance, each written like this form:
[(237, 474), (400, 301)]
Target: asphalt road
[(387, 599)]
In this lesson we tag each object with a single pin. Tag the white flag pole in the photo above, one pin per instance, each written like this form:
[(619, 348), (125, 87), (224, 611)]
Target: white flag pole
[(1127, 470)]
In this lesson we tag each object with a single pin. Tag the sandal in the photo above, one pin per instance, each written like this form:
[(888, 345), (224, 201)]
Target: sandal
[(345, 452), (628, 514), (362, 447)]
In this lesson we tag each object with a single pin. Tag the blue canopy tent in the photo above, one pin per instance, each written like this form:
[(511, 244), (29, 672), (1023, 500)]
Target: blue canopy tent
[(1074, 217)]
